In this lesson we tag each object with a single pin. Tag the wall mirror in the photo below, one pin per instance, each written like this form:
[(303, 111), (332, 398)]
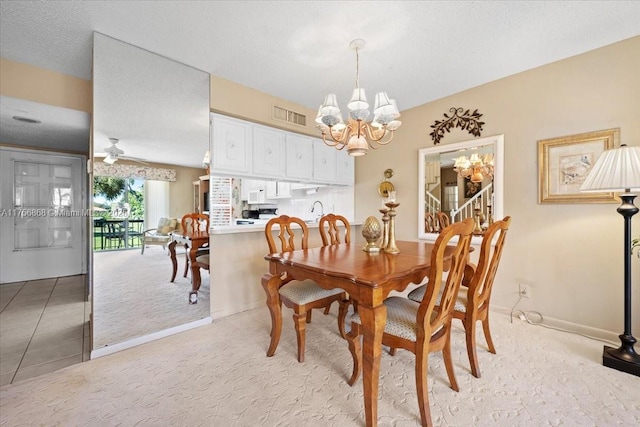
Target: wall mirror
[(155, 111), (460, 180)]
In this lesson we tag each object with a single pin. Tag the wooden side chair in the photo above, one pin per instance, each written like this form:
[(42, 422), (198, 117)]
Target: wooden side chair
[(195, 222), (430, 223), (422, 328), (329, 226), (443, 220), (300, 296), (472, 303)]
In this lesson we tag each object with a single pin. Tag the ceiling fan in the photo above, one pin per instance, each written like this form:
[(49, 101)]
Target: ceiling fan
[(113, 153)]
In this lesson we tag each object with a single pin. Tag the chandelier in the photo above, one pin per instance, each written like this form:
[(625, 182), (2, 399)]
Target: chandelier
[(475, 168), (357, 134)]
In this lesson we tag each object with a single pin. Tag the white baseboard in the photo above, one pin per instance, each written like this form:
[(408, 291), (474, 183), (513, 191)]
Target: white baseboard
[(576, 328), (110, 349)]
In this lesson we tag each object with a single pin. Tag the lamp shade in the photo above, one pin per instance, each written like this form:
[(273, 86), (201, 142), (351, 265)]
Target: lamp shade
[(615, 170)]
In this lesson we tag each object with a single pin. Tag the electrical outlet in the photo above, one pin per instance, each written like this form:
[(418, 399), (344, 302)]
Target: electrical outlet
[(525, 290)]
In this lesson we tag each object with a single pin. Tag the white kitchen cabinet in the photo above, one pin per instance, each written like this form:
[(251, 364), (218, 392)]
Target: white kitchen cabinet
[(299, 157), (324, 162), (345, 168), (231, 143), (278, 190), (268, 152)]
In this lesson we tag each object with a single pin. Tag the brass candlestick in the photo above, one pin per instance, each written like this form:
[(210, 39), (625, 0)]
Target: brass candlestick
[(391, 244), (385, 228)]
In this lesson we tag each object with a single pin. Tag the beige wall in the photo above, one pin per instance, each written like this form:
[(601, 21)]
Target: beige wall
[(571, 255), (24, 81), (239, 101)]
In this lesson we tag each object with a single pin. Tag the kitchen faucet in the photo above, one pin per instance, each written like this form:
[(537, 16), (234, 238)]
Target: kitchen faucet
[(321, 209)]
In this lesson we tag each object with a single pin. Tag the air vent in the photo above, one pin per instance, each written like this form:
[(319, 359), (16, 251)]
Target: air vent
[(289, 116)]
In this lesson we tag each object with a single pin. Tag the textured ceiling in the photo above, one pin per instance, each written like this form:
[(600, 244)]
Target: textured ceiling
[(298, 50)]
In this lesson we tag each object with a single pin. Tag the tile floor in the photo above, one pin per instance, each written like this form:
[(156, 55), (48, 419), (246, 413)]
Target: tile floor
[(44, 326)]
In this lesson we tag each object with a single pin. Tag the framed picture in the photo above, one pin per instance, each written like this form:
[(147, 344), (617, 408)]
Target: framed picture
[(471, 188), (563, 164)]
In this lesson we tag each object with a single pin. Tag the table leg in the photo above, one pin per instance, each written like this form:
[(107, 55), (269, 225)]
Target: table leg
[(187, 256), (271, 284), (373, 322), (174, 261), (195, 270)]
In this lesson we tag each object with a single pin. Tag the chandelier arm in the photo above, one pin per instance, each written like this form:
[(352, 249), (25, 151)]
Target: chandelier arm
[(371, 133), (332, 142)]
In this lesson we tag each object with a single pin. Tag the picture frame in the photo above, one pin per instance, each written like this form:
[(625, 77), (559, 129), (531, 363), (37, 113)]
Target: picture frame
[(471, 188), (564, 162)]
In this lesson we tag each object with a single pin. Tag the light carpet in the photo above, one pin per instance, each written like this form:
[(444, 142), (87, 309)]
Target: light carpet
[(219, 375), (133, 295)]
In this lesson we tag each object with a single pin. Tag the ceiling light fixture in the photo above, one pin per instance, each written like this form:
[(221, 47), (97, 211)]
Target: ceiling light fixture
[(358, 135), (475, 168)]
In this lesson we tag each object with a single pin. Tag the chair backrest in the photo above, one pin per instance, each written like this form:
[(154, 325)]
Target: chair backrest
[(430, 223), (330, 231), (195, 222), (482, 281), (443, 314), (286, 234), (443, 220)]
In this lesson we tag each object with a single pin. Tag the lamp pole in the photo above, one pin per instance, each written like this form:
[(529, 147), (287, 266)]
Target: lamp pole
[(625, 357)]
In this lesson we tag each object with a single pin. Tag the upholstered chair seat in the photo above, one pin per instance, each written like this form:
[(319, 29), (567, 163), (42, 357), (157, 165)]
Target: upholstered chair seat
[(306, 291)]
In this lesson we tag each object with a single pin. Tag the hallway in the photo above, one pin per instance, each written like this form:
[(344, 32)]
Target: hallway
[(44, 326)]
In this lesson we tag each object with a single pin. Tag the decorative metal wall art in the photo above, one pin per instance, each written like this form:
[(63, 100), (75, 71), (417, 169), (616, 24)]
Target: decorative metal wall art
[(465, 120)]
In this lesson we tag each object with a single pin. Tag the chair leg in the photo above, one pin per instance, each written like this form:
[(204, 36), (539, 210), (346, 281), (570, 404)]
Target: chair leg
[(143, 249), (392, 351), (448, 362), (422, 364), (353, 339), (309, 316), (487, 334), (299, 320), (470, 335), (342, 316), (326, 309)]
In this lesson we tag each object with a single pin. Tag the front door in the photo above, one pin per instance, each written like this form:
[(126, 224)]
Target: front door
[(43, 215)]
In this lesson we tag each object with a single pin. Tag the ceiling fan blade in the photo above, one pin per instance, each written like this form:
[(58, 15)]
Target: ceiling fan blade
[(133, 159)]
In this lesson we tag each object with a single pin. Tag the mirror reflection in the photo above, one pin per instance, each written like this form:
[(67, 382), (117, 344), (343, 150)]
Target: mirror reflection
[(150, 135), (459, 181)]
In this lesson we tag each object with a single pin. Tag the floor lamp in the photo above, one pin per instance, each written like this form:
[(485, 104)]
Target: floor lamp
[(619, 170)]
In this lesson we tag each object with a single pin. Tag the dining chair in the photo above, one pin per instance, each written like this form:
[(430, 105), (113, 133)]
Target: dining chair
[(422, 328), (190, 223), (329, 226), (443, 220), (472, 302), (300, 296), (202, 261), (430, 223)]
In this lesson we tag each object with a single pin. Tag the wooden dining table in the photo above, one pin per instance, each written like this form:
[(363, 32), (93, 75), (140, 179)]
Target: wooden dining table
[(192, 241), (368, 278)]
